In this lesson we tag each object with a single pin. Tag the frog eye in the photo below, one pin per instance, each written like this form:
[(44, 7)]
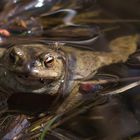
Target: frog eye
[(14, 57), (48, 61)]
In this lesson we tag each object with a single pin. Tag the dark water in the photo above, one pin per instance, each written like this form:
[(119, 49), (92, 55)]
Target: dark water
[(77, 20)]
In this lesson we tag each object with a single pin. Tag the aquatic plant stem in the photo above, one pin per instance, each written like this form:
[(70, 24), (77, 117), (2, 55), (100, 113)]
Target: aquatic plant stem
[(123, 89), (47, 128)]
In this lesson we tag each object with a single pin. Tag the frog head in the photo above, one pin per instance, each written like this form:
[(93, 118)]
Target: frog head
[(35, 68)]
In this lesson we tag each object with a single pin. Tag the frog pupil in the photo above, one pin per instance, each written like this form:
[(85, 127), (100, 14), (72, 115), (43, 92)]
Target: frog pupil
[(48, 60)]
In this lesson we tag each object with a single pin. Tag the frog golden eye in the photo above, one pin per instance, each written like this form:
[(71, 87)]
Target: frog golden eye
[(48, 61)]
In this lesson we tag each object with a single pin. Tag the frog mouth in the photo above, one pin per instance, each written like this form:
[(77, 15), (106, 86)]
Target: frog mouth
[(30, 80)]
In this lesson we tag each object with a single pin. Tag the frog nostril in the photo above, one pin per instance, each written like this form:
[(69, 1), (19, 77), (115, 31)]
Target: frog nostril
[(35, 63), (31, 66)]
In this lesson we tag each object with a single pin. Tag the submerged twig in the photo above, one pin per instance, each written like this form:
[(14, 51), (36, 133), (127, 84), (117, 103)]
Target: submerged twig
[(126, 79), (123, 89)]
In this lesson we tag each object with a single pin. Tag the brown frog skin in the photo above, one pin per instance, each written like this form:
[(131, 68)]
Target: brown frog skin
[(42, 69)]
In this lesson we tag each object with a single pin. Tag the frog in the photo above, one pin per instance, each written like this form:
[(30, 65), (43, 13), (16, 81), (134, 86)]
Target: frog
[(57, 69), (42, 68)]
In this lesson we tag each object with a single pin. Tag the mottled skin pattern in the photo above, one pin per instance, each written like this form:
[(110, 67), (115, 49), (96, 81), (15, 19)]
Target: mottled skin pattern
[(42, 69)]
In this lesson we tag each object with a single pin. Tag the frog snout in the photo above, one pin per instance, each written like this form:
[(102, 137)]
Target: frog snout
[(31, 68)]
